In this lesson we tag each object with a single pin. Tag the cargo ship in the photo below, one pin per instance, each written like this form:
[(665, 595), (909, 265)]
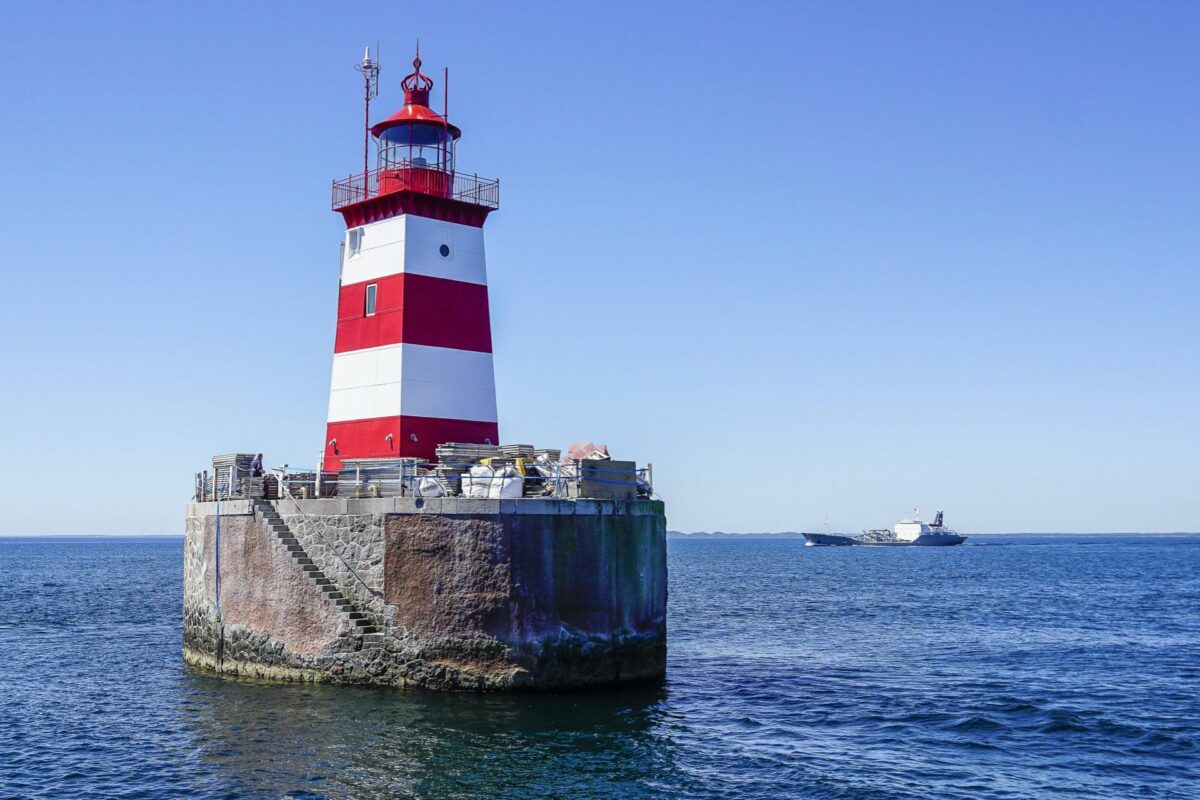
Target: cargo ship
[(905, 533)]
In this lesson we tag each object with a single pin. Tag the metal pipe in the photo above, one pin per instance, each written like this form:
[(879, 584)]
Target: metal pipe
[(217, 559)]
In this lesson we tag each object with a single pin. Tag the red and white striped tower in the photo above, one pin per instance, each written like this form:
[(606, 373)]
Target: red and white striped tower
[(412, 358)]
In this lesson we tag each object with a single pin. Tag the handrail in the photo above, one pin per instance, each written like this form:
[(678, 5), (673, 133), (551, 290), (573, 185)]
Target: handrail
[(316, 529), (400, 479), (463, 186)]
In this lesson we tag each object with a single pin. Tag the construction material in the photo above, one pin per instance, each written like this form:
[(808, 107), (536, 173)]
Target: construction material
[(579, 451), (228, 470), (378, 477), (477, 481), (470, 470), (464, 454), (608, 479), (429, 486), (506, 484)]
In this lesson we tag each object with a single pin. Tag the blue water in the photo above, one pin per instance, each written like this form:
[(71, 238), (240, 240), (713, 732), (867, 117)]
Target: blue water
[(1008, 668)]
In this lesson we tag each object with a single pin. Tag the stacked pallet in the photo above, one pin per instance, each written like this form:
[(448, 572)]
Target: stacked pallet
[(240, 460), (228, 470), (515, 451), (465, 454), (252, 488), (450, 477), (302, 484), (377, 477), (455, 458)]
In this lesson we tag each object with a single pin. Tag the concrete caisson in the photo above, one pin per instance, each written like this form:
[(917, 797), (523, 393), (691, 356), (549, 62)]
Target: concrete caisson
[(446, 593)]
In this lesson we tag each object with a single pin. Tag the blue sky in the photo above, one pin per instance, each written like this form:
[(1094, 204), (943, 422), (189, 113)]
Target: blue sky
[(813, 261)]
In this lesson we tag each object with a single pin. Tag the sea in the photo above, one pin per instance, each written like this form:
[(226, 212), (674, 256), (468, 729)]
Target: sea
[(1010, 667)]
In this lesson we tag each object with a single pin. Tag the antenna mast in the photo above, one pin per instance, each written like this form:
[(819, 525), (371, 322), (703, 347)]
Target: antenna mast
[(446, 119), (370, 73)]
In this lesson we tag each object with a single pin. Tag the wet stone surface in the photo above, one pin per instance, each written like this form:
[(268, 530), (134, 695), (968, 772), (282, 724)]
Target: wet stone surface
[(458, 602)]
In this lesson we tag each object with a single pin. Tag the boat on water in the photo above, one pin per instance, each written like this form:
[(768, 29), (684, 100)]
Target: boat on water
[(905, 533)]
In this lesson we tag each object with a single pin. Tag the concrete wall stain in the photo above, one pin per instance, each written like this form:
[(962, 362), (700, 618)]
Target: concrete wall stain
[(532, 595)]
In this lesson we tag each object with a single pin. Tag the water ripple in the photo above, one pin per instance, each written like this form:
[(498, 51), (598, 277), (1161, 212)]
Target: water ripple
[(1031, 669)]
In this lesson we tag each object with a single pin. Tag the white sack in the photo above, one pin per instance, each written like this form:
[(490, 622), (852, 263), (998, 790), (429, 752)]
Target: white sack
[(477, 481), (506, 485), (429, 487)]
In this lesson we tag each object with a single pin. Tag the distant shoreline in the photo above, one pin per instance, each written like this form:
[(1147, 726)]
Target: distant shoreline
[(678, 535)]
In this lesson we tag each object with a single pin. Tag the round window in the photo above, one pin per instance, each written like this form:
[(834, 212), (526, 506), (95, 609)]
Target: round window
[(444, 250)]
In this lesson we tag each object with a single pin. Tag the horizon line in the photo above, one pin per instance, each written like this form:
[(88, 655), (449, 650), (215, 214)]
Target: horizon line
[(669, 533)]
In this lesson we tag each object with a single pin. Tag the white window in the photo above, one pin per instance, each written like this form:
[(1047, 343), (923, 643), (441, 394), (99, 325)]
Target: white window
[(369, 302), (354, 239)]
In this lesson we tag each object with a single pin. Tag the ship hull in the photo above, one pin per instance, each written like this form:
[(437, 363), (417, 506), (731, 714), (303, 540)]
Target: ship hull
[(827, 540), (941, 540)]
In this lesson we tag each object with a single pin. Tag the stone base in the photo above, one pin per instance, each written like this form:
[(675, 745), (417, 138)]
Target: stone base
[(451, 594)]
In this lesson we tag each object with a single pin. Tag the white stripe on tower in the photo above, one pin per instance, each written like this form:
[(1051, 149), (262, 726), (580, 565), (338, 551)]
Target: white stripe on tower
[(409, 244), (412, 380)]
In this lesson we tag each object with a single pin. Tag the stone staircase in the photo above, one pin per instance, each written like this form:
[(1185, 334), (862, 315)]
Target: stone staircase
[(361, 626)]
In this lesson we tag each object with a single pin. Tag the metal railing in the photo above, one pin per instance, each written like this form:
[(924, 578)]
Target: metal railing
[(541, 479), (562, 480), (464, 187), (284, 491), (229, 483)]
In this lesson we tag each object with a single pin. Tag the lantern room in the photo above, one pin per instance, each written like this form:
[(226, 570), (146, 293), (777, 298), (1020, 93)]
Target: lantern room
[(415, 146), (416, 169)]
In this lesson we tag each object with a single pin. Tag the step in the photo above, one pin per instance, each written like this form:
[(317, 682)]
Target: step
[(303, 560)]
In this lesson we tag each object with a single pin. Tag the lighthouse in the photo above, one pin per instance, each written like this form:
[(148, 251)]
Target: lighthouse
[(412, 353), (501, 567)]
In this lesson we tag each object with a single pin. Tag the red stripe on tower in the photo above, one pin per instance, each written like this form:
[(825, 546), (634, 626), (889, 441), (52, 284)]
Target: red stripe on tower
[(412, 364), (369, 437), (416, 309)]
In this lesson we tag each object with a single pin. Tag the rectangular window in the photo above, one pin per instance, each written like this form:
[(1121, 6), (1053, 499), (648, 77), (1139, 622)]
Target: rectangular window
[(354, 241), (369, 303)]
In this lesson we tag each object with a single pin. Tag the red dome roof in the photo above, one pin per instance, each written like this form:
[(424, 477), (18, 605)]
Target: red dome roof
[(416, 108)]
